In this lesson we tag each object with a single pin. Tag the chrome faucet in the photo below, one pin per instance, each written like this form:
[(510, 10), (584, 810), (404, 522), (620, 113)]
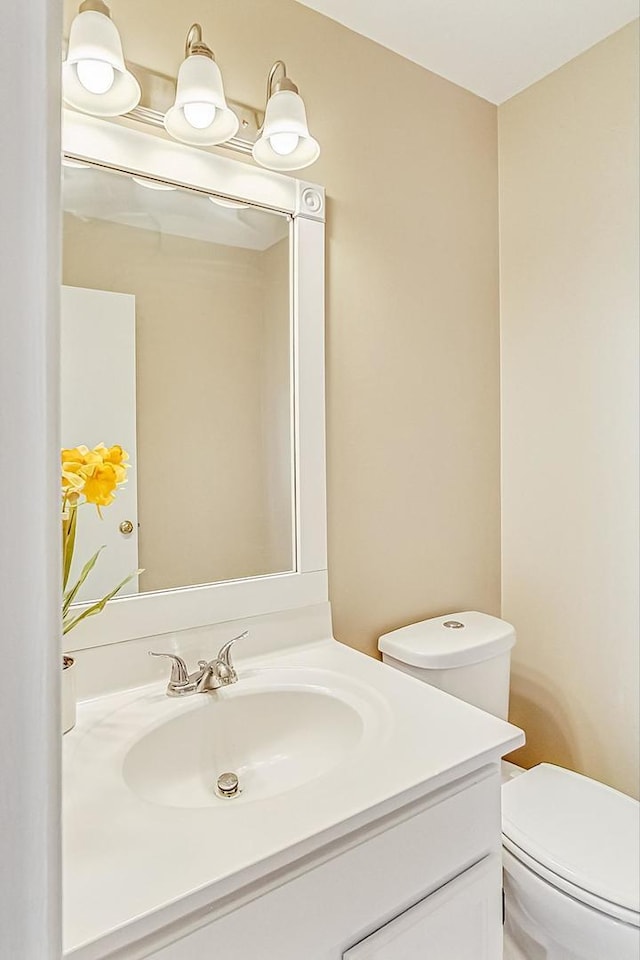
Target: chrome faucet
[(210, 675)]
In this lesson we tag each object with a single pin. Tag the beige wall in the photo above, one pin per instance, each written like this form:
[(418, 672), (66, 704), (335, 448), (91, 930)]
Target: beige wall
[(569, 277), (212, 352), (410, 165)]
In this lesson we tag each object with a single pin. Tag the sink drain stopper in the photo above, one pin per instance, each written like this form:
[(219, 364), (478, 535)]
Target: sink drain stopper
[(227, 785)]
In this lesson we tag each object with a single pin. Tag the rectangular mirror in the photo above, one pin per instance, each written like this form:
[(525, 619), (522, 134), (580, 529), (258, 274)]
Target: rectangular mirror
[(177, 346)]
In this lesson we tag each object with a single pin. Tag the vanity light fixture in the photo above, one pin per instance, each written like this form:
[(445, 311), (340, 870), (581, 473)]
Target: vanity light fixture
[(200, 115), (94, 76), (284, 141), (96, 80)]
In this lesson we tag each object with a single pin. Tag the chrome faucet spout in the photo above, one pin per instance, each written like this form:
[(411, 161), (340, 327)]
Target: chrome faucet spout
[(208, 678)]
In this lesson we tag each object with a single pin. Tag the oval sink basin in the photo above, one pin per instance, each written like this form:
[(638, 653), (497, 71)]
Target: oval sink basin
[(274, 740)]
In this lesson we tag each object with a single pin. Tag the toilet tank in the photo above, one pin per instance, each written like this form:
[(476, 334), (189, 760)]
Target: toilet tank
[(466, 654)]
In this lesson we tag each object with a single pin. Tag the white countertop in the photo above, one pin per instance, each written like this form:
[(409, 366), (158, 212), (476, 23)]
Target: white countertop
[(131, 865)]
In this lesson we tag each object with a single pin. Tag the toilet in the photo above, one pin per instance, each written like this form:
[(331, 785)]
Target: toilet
[(571, 846)]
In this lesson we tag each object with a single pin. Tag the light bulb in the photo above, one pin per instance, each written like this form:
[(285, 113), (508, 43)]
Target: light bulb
[(74, 164), (199, 115), (230, 204), (96, 76), (153, 184), (284, 143)]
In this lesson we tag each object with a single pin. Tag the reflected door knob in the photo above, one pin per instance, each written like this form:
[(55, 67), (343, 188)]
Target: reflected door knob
[(126, 527)]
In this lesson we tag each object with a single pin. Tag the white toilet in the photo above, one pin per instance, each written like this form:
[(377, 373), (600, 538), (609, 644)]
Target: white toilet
[(571, 846)]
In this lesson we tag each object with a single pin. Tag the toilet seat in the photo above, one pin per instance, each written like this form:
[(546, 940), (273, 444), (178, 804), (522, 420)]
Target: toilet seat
[(632, 917), (547, 814)]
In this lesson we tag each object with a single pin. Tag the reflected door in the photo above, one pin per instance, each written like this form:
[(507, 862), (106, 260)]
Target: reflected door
[(98, 362)]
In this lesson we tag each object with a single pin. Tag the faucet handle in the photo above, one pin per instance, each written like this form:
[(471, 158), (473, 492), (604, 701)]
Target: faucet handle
[(179, 671), (224, 656)]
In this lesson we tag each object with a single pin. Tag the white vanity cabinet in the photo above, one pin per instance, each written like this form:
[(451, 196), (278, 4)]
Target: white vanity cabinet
[(421, 883), (394, 853)]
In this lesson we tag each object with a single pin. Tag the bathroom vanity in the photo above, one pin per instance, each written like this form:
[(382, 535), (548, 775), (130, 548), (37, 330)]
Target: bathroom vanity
[(368, 824)]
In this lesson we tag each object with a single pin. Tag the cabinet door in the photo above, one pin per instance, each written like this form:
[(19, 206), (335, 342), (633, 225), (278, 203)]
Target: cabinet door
[(460, 921)]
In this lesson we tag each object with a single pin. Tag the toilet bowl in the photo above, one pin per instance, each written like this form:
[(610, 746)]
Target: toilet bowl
[(571, 868), (571, 846)]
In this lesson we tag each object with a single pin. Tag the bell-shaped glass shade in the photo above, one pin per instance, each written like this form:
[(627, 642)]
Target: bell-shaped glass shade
[(285, 142), (200, 115), (94, 76)]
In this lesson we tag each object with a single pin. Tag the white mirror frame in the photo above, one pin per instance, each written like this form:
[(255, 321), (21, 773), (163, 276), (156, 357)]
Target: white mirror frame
[(116, 146)]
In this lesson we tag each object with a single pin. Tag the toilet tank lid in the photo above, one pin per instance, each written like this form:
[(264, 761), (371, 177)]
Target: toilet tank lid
[(582, 831), (457, 640)]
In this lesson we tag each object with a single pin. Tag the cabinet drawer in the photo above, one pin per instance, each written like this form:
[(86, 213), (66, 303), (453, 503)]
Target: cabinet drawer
[(457, 922)]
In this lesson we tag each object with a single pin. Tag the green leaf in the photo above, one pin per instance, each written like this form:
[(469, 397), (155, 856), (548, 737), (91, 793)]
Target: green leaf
[(70, 596), (68, 543), (100, 605)]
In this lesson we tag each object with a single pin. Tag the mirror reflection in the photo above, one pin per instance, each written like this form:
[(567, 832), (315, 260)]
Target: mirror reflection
[(176, 346)]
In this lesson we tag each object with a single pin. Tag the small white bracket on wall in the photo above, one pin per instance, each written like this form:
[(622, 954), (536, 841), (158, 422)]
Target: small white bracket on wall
[(310, 201)]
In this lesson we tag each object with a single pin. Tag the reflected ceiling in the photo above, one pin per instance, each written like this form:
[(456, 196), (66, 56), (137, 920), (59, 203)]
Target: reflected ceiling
[(98, 194)]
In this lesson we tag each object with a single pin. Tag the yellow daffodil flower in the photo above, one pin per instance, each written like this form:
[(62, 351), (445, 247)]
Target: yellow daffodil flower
[(94, 474), (100, 486)]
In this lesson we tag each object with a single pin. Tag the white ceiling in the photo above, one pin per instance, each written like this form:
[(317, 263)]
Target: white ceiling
[(495, 48)]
